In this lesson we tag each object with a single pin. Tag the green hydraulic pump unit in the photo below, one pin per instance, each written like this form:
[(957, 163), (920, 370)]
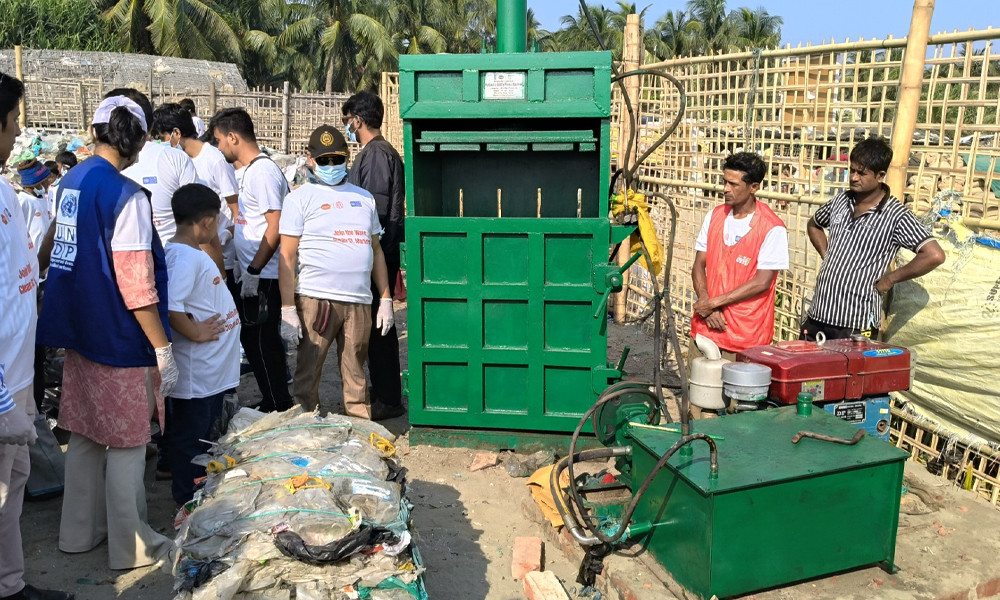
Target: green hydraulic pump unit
[(738, 504), (507, 239)]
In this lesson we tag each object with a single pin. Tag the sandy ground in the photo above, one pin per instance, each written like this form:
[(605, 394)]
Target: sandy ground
[(464, 522)]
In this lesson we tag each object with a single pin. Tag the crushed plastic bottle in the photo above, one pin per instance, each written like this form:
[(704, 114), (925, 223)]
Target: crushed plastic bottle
[(524, 466)]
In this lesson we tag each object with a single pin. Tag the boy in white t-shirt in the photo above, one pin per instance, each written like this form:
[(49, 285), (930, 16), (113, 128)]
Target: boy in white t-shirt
[(206, 330), (330, 231)]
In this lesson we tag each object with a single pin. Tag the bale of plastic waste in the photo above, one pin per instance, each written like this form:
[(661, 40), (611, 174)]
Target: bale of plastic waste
[(303, 505)]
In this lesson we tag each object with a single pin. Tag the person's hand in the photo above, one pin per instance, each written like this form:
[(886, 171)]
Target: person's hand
[(385, 319), (291, 326), (237, 272), (168, 369), (884, 284), (209, 329), (16, 427), (704, 307), (249, 284), (716, 321)]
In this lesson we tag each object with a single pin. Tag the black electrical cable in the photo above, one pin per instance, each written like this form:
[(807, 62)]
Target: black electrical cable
[(614, 69), (630, 173)]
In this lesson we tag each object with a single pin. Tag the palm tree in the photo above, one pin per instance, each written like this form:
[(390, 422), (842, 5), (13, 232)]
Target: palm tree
[(577, 34), (756, 28), (714, 23), (676, 35), (414, 24), (185, 28)]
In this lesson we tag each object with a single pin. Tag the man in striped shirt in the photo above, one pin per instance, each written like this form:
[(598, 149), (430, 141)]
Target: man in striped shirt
[(857, 234)]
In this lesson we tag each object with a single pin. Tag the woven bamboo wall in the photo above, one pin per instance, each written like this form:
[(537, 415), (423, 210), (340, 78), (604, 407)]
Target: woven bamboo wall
[(803, 110)]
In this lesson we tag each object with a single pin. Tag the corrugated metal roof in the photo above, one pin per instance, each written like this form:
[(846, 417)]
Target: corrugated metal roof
[(132, 70)]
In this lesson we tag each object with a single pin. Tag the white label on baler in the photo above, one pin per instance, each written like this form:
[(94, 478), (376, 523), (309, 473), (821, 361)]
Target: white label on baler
[(504, 86)]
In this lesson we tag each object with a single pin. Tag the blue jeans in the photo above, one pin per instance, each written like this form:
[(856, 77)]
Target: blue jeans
[(188, 421)]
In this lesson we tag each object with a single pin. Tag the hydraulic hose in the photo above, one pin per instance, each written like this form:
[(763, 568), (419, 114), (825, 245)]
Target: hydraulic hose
[(575, 528), (619, 389), (671, 317), (565, 511)]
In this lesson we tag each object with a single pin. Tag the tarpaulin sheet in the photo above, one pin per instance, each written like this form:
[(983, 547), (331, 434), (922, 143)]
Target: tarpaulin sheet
[(950, 320)]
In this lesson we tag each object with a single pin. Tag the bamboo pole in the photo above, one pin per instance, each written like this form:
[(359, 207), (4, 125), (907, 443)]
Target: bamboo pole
[(631, 55), (909, 94), (285, 118), (19, 73)]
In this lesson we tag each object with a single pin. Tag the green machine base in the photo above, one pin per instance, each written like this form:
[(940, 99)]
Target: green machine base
[(495, 439), (777, 512)]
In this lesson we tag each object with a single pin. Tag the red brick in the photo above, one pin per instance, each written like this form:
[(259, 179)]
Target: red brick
[(544, 585), (527, 556), (989, 589)]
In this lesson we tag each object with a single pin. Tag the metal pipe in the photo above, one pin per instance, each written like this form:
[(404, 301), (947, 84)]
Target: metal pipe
[(829, 438), (512, 25)]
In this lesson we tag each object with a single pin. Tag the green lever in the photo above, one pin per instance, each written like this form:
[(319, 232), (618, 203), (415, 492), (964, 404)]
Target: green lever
[(621, 361), (614, 281)]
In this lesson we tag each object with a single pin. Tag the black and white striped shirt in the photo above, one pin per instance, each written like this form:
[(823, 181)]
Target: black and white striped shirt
[(858, 252)]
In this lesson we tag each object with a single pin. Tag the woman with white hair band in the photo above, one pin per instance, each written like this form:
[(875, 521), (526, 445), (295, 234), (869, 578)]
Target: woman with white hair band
[(105, 303)]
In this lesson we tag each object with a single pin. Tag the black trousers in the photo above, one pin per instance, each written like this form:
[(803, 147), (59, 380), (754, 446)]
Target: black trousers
[(260, 335), (383, 352), (811, 327)]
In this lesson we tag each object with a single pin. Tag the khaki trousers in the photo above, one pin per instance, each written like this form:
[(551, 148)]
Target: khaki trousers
[(350, 324), (14, 468), (105, 498)]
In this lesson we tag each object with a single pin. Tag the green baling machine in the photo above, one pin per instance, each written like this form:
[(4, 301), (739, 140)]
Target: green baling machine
[(507, 239)]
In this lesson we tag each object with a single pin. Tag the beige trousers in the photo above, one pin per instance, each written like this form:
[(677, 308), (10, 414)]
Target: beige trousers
[(105, 498), (350, 324), (14, 468)]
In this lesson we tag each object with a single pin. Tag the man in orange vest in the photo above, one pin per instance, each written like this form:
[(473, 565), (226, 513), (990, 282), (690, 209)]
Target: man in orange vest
[(741, 248)]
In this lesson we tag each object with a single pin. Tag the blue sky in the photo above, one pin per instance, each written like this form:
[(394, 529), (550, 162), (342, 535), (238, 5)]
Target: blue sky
[(814, 21)]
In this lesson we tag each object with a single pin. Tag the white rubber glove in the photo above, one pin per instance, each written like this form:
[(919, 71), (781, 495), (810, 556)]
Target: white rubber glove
[(384, 320), (291, 326), (16, 427), (249, 283), (168, 369), (237, 272)]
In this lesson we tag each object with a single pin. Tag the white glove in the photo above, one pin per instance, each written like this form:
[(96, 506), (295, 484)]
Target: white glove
[(291, 327), (237, 272), (168, 369), (249, 284), (16, 427), (384, 320)]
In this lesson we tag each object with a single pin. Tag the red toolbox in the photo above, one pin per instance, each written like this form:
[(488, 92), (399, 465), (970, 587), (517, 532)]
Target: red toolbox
[(835, 370)]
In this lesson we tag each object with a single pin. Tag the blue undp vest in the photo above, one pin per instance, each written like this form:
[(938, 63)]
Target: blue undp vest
[(82, 309)]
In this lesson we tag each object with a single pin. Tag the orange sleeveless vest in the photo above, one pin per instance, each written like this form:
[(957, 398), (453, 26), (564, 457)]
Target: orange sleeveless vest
[(751, 322)]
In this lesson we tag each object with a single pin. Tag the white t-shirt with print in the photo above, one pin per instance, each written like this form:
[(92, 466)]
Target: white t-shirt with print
[(215, 172), (161, 170), (195, 287), (773, 254), (18, 290), (199, 125), (35, 211), (335, 225), (262, 189)]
